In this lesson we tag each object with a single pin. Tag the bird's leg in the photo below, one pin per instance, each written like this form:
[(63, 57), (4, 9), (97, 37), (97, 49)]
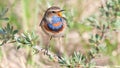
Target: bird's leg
[(48, 46)]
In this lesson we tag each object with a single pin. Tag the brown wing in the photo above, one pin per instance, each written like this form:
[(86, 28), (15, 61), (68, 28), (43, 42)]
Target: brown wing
[(43, 19), (41, 22)]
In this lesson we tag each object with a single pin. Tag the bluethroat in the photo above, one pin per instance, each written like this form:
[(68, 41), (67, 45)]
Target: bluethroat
[(53, 23)]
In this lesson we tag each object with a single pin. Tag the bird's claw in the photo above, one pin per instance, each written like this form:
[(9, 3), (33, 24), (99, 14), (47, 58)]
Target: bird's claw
[(45, 51)]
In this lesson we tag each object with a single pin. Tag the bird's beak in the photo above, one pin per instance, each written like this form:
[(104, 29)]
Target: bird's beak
[(59, 13), (62, 10)]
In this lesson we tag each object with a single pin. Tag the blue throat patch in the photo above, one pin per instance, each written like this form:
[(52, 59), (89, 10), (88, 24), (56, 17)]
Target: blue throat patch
[(55, 19)]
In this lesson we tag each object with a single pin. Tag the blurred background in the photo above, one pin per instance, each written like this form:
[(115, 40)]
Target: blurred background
[(25, 15)]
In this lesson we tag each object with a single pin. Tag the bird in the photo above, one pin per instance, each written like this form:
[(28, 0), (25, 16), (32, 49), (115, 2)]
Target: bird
[(53, 23)]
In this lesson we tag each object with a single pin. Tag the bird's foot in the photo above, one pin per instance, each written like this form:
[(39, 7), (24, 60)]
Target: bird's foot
[(45, 51)]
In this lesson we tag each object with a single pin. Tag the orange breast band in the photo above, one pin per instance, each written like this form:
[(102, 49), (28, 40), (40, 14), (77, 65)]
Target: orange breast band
[(56, 24)]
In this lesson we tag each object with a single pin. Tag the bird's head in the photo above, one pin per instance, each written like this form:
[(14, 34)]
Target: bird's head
[(54, 11)]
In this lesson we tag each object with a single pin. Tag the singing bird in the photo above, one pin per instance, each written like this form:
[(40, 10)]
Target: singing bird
[(53, 23)]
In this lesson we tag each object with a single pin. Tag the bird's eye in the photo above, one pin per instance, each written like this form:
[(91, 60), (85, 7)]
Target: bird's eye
[(53, 11)]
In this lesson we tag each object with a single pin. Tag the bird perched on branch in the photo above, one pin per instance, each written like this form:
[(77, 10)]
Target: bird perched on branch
[(53, 23)]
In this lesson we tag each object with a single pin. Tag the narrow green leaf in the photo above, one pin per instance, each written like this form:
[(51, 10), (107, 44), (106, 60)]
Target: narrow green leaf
[(96, 36), (91, 41), (8, 27), (2, 32), (15, 31), (18, 47), (98, 27), (4, 12)]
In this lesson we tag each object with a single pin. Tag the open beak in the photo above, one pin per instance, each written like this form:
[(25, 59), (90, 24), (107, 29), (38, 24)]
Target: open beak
[(59, 13)]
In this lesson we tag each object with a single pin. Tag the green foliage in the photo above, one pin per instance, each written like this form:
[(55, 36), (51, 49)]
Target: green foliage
[(29, 39), (2, 14), (77, 60), (105, 22), (7, 34)]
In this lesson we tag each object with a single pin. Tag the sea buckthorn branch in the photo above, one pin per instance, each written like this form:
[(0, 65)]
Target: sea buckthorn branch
[(106, 21)]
